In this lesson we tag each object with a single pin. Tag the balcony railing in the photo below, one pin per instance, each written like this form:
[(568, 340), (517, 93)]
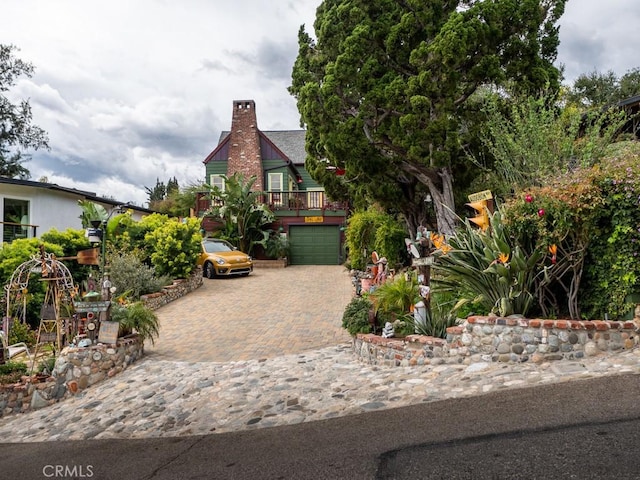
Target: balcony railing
[(278, 201), (12, 231)]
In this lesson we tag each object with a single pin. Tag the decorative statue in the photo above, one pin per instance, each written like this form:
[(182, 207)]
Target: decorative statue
[(387, 331)]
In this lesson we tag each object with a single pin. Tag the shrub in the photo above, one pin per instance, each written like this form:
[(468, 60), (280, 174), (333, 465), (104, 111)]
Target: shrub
[(12, 372), (356, 316), (128, 274), (587, 224), (21, 332), (176, 246), (396, 296), (136, 318), (371, 230), (277, 246)]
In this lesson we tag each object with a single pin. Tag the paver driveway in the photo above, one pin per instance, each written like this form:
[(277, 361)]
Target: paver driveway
[(272, 312)]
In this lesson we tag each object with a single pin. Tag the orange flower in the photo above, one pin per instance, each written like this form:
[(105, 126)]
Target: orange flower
[(553, 249), (446, 248), (503, 258)]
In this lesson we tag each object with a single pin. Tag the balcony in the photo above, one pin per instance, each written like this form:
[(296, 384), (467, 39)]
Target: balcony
[(292, 201)]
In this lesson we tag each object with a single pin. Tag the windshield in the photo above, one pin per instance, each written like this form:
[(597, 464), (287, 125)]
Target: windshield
[(217, 246)]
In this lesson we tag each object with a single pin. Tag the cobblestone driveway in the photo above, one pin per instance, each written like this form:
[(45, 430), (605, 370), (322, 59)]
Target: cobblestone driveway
[(272, 312)]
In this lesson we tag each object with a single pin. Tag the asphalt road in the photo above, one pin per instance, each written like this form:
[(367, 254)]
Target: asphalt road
[(582, 430)]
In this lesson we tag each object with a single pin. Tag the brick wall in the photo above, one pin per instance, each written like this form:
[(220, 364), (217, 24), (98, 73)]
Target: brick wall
[(244, 148)]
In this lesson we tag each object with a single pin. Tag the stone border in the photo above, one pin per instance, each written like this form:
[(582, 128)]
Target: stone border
[(172, 292), (78, 368), (500, 339)]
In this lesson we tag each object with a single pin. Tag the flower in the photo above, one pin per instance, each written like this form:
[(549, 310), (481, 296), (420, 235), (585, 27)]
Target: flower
[(503, 257), (528, 198), (553, 249), (541, 212)]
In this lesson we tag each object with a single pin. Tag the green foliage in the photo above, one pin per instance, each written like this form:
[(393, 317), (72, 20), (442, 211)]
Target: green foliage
[(71, 241), (14, 254), (136, 318), (21, 332), (355, 318), (176, 246), (17, 132), (92, 211), (531, 140), (46, 366), (128, 274), (11, 367), (277, 246), (372, 230), (484, 268), (613, 266), (597, 89), (591, 217), (11, 372), (244, 219), (383, 90), (396, 296)]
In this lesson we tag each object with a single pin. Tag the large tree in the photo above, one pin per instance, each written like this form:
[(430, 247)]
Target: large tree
[(595, 89), (384, 90), (17, 133)]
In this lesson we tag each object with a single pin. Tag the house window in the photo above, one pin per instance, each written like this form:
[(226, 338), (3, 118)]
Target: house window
[(275, 188), (217, 181), (315, 198), (15, 217)]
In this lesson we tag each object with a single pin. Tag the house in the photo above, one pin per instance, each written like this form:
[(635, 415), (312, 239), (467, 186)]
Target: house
[(313, 224), (30, 209), (632, 106)]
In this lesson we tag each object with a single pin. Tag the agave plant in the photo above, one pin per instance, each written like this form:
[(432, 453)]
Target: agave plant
[(482, 267)]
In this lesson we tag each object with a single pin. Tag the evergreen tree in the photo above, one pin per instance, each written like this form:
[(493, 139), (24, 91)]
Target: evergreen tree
[(17, 133), (384, 90)]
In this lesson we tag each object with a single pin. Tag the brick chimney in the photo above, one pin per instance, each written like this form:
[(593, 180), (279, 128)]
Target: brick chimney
[(244, 148)]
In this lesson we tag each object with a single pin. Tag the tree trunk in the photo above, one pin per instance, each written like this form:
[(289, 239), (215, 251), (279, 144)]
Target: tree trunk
[(439, 181)]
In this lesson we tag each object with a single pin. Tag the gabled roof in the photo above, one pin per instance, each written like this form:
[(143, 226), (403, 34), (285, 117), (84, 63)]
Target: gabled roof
[(290, 142), (91, 196)]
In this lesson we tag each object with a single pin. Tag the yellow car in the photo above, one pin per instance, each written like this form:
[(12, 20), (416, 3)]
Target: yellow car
[(220, 258)]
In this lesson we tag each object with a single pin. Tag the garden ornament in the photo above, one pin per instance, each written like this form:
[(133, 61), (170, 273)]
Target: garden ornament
[(387, 331)]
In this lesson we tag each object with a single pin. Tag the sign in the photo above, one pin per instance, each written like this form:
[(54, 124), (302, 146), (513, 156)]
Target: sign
[(83, 307), (422, 262), (108, 332), (313, 219), (484, 195)]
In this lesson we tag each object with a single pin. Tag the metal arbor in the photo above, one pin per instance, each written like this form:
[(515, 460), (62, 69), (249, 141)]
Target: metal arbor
[(59, 291)]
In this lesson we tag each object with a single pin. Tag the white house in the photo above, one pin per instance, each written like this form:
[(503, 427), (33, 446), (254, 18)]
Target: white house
[(30, 209)]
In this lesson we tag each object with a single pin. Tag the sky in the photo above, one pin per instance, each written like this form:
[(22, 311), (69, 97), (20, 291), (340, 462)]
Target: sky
[(135, 91)]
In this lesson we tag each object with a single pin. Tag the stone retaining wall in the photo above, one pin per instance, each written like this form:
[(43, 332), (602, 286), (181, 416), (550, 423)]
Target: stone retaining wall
[(172, 292), (76, 369), (498, 339)]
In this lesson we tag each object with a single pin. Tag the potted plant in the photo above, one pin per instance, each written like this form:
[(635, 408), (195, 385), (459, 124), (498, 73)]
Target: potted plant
[(136, 318)]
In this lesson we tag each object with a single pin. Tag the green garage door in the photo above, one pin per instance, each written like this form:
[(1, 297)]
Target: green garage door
[(314, 244)]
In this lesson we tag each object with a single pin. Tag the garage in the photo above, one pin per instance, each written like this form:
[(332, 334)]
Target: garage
[(314, 244)]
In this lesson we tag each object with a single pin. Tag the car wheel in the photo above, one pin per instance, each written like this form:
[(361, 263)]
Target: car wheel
[(209, 270)]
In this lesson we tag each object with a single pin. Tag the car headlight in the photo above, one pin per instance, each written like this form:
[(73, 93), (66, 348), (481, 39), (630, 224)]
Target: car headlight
[(219, 261)]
